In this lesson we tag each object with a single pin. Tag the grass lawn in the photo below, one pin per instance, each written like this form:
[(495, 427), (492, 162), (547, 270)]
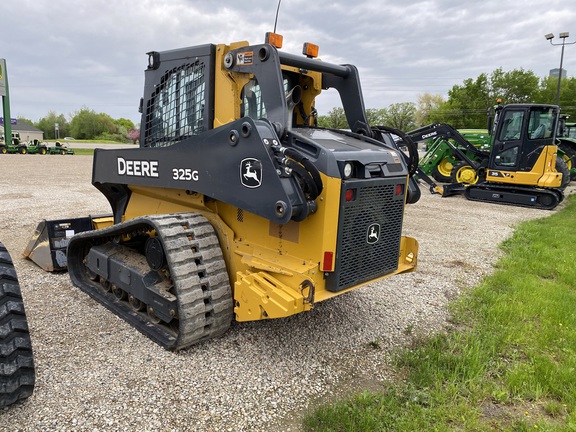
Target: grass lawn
[(83, 151), (510, 363)]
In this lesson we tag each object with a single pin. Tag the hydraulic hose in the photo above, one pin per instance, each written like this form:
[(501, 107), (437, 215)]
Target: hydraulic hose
[(304, 175), (310, 168), (412, 158)]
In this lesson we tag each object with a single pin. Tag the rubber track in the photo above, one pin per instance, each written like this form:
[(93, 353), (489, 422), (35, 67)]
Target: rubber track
[(197, 269), (555, 194), (17, 372)]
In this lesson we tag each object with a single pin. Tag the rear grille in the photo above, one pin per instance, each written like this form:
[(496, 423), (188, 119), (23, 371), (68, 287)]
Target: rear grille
[(370, 230)]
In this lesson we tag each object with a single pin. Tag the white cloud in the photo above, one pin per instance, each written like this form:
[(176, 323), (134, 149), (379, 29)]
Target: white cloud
[(63, 55)]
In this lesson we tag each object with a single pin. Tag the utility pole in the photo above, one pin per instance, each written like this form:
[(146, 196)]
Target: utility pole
[(562, 36), (5, 101)]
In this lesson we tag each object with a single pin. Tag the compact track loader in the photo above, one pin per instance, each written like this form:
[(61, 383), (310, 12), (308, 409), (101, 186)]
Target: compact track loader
[(235, 205)]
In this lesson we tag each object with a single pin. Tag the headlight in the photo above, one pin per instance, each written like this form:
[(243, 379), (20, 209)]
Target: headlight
[(348, 170)]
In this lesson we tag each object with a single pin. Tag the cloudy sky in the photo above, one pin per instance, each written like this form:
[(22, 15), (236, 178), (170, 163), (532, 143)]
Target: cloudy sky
[(62, 55)]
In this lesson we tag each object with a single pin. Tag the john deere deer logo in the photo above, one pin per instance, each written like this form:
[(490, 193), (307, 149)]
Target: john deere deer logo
[(251, 172), (373, 233)]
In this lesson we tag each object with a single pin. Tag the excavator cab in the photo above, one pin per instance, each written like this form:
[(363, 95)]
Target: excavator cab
[(524, 150), (522, 167)]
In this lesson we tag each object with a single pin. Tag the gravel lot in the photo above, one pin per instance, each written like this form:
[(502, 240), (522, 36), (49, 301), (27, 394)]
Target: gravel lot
[(95, 372)]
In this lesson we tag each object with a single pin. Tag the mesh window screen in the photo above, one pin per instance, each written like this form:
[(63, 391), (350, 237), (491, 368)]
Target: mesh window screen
[(176, 109)]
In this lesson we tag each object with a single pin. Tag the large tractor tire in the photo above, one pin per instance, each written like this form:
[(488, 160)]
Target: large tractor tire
[(22, 150), (562, 167), (441, 172), (17, 373), (569, 149), (464, 173)]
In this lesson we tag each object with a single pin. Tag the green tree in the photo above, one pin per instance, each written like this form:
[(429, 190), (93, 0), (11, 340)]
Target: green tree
[(375, 117), (109, 127), (516, 86), (429, 109), (400, 116), (336, 119), (547, 94), (20, 118), (48, 125), (123, 126), (466, 105), (124, 123), (568, 97), (85, 124)]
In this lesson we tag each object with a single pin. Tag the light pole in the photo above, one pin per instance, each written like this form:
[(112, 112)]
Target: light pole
[(562, 36)]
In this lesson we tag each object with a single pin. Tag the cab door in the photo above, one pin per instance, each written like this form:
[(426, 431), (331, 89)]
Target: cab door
[(521, 137), (507, 145), (541, 132)]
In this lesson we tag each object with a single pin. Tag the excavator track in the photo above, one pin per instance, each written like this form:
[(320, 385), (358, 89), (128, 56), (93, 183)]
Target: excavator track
[(546, 199), (163, 274)]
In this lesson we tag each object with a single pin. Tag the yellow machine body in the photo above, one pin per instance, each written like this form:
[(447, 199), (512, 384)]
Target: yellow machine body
[(269, 265), (275, 270), (230, 149), (543, 174)]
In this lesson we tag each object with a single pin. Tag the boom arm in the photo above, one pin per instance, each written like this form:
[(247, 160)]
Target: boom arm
[(447, 132)]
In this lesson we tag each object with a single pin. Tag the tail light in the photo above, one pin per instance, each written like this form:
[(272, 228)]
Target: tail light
[(350, 195), (328, 262)]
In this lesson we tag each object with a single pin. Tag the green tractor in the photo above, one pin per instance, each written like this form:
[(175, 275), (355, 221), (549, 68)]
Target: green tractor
[(566, 137), (16, 146), (37, 147), (61, 149), (440, 158)]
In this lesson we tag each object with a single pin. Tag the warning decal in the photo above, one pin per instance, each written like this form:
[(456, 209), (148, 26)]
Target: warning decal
[(244, 58)]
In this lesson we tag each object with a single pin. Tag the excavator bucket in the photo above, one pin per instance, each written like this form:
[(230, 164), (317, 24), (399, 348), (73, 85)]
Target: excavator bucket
[(444, 190), (453, 189), (47, 247)]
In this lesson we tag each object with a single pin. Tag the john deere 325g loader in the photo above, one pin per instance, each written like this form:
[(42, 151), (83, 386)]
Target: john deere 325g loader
[(236, 205)]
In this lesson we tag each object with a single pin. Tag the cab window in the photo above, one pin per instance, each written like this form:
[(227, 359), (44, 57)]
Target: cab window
[(253, 105), (511, 126), (176, 109), (541, 123), (508, 157)]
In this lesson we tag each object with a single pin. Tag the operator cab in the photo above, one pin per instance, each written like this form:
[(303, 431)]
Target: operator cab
[(521, 132)]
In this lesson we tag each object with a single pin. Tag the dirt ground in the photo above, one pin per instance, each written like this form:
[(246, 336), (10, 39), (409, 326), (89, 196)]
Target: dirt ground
[(96, 372)]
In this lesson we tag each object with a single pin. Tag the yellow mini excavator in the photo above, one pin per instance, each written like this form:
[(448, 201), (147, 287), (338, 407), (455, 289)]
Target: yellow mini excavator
[(522, 167), (235, 205)]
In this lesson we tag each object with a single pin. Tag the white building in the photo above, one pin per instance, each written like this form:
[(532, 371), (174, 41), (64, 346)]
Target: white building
[(26, 130)]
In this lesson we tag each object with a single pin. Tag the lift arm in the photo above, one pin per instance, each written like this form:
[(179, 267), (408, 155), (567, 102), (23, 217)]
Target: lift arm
[(447, 132)]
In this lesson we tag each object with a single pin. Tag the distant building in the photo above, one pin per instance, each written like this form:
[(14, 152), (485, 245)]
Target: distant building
[(554, 73), (26, 130)]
